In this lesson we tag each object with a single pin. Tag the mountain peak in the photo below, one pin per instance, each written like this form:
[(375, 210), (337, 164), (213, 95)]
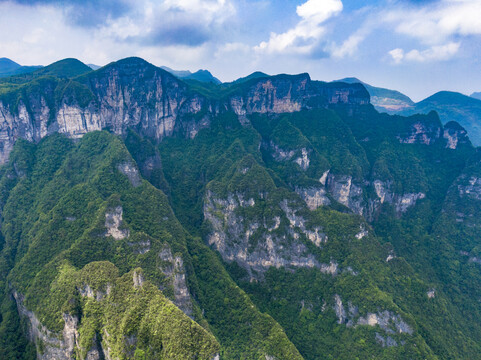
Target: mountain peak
[(69, 67), (8, 65)]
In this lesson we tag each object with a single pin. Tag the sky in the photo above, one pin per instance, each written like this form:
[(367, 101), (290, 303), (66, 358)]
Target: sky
[(418, 47)]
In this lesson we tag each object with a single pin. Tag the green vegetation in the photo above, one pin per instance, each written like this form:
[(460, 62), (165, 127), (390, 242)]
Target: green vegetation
[(110, 233)]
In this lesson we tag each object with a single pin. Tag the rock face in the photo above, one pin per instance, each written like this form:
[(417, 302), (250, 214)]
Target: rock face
[(113, 221), (290, 93), (54, 346), (384, 193), (173, 268), (132, 93), (421, 133), (389, 322), (345, 191), (313, 196), (455, 135), (258, 244)]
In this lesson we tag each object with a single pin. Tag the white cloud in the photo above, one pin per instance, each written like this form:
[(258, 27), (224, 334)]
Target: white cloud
[(305, 36), (397, 55), (434, 53), (350, 46), (435, 23)]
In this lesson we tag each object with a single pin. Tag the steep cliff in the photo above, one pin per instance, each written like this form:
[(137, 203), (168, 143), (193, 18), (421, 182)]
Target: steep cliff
[(132, 93)]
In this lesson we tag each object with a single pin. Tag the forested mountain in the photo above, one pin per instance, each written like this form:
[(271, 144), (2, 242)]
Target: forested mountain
[(9, 67), (275, 217)]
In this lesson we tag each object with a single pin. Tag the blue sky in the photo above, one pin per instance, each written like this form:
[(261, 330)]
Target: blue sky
[(416, 46)]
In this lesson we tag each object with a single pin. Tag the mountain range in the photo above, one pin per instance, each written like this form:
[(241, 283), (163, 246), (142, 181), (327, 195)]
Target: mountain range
[(143, 216), (450, 106)]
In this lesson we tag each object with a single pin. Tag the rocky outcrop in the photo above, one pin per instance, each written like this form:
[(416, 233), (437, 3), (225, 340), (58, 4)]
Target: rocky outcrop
[(470, 188), (389, 322), (385, 195), (313, 196), (259, 243), (173, 269), (405, 201), (290, 93), (113, 222), (421, 133), (53, 346), (455, 135), (345, 191), (130, 170)]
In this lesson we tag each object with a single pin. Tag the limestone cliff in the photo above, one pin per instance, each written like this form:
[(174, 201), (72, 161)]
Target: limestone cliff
[(132, 93)]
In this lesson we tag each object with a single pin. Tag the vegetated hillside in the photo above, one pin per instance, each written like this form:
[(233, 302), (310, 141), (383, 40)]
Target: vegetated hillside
[(272, 218), (384, 100), (452, 106)]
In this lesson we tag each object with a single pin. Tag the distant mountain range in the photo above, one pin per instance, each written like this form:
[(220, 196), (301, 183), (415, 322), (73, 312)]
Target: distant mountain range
[(9, 67), (451, 106), (200, 75), (384, 100), (476, 95)]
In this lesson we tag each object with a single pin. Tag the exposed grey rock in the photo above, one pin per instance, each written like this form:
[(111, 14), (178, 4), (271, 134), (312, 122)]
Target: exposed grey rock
[(303, 160), (113, 221), (138, 279), (362, 232), (323, 178), (313, 196), (174, 270), (387, 321), (421, 133), (54, 346), (470, 188), (343, 190), (231, 234), (405, 201), (455, 135), (130, 170), (385, 341), (401, 202), (339, 309)]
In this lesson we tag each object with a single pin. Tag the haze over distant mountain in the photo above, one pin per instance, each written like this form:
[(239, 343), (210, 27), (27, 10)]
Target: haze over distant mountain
[(93, 66), (9, 67), (453, 106), (476, 95), (200, 75), (384, 100)]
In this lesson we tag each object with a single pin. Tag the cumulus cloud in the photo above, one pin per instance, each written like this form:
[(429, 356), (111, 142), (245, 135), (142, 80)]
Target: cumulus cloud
[(434, 23), (439, 26), (305, 37), (167, 22), (434, 53)]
